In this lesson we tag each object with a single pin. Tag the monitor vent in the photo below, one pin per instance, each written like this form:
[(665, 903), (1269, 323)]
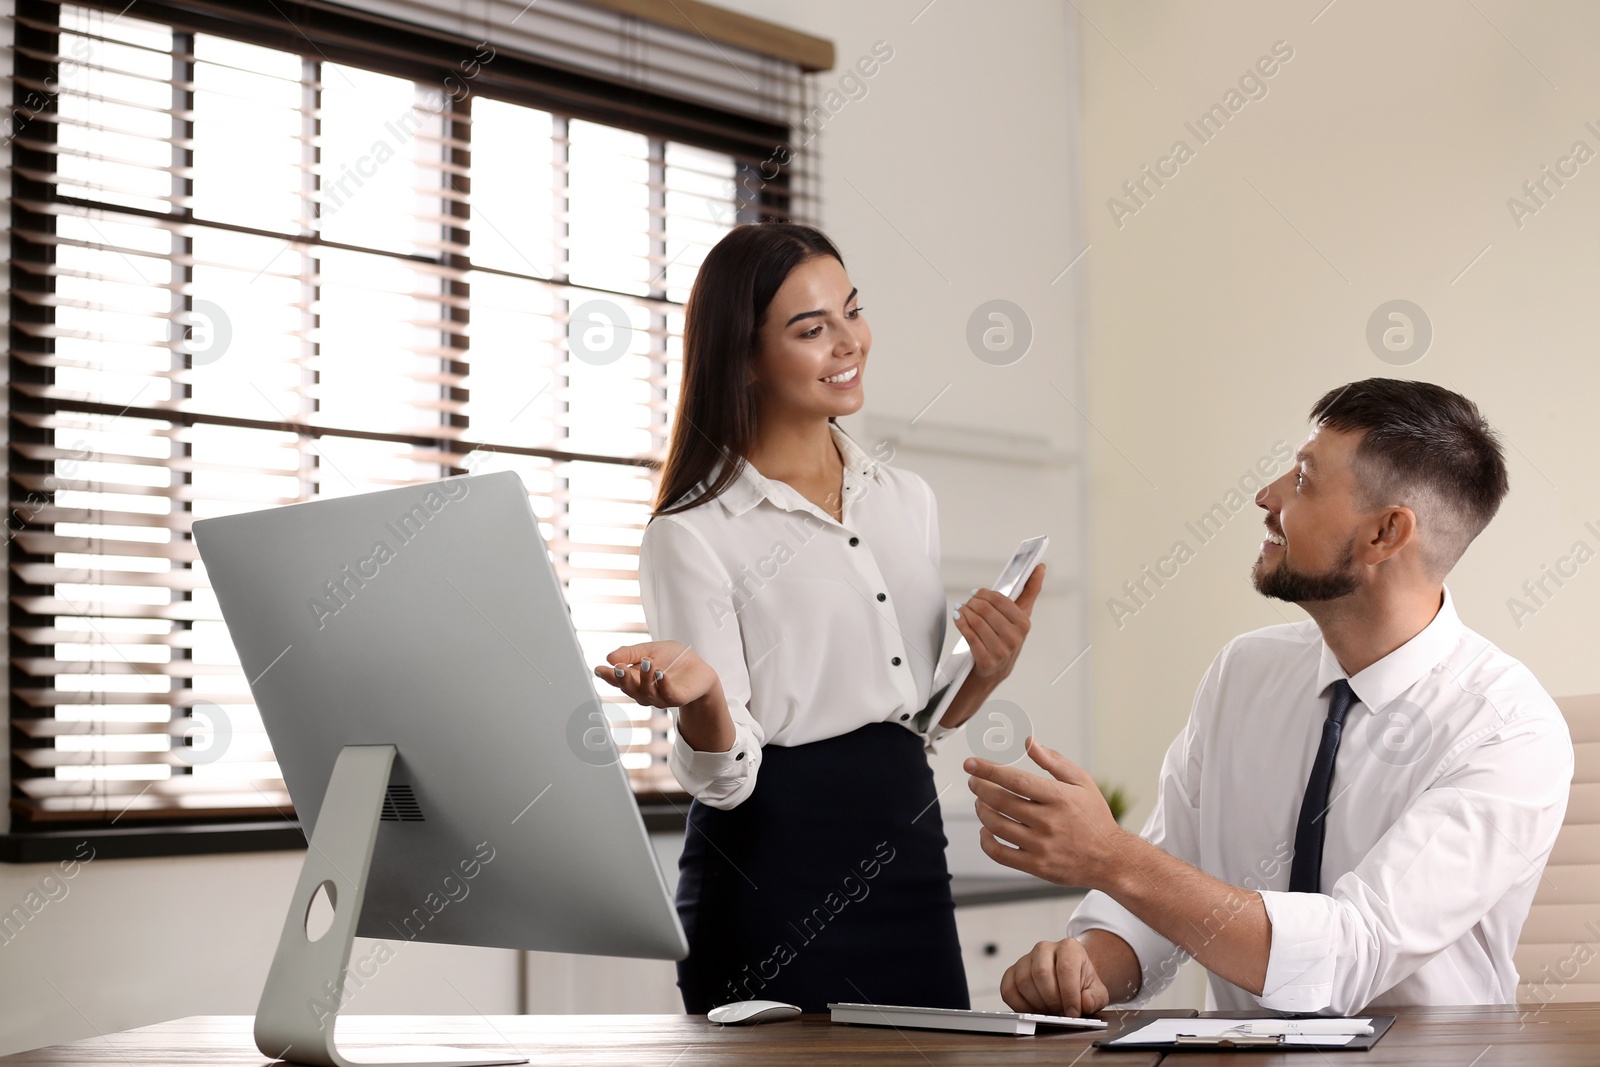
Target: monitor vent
[(400, 805)]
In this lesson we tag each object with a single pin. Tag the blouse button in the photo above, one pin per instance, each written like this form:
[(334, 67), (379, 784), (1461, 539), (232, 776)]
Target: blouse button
[(895, 661), (906, 716), (882, 596), (739, 756), (854, 541)]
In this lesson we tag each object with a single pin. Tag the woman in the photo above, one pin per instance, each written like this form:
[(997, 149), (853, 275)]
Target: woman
[(792, 581)]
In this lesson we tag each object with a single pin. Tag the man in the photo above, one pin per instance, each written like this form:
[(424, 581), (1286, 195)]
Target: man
[(1306, 874)]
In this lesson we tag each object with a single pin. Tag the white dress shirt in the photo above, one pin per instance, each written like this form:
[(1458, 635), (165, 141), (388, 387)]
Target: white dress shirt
[(815, 627), (1449, 788)]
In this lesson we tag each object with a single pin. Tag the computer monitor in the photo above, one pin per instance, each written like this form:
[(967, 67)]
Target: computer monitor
[(417, 670)]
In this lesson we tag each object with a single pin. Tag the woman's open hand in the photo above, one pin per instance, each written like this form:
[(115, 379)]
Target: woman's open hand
[(668, 674), (659, 674)]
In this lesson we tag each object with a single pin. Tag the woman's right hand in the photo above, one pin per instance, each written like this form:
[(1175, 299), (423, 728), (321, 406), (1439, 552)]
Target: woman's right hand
[(668, 674), (659, 674)]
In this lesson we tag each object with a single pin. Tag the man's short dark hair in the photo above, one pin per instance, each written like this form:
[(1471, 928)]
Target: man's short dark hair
[(1424, 447)]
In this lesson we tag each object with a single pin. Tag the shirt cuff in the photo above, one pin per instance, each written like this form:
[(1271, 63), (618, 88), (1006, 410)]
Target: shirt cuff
[(1302, 959), (719, 779), (936, 734)]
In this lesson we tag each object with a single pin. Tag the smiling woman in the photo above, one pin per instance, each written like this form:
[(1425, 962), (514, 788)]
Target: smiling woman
[(797, 729)]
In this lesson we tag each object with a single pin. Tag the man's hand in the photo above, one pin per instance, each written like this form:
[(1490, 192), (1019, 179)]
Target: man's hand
[(1056, 978), (1060, 829), (1060, 826)]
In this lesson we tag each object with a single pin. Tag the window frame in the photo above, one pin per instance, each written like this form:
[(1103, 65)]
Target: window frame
[(336, 35)]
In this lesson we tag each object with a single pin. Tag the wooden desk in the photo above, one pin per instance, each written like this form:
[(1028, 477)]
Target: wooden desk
[(1558, 1035), (569, 1040)]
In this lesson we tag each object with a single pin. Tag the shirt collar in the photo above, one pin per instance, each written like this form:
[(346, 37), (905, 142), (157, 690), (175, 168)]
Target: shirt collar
[(752, 487), (1392, 675)]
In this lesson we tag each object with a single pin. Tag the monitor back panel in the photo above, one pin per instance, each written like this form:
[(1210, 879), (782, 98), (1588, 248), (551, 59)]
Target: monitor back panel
[(430, 617)]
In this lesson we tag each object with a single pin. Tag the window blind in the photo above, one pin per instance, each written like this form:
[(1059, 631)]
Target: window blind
[(256, 261)]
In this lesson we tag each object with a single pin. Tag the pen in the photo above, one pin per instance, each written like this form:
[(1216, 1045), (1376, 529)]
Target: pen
[(1324, 1027), (1230, 1040)]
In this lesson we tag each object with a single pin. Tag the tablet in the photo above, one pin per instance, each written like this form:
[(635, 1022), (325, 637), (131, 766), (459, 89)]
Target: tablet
[(1012, 578)]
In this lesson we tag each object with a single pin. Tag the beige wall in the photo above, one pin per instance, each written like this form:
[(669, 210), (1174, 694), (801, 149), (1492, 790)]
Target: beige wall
[(1377, 167)]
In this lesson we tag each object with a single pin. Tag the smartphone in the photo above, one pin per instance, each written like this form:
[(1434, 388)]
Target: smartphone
[(1012, 578)]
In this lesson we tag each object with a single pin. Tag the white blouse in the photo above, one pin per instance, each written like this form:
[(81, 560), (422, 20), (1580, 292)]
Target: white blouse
[(815, 627)]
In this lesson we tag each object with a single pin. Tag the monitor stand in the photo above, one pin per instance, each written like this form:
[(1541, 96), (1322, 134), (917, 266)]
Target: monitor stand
[(305, 987)]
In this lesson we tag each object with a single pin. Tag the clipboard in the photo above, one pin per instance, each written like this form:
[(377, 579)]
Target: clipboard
[(1241, 1042)]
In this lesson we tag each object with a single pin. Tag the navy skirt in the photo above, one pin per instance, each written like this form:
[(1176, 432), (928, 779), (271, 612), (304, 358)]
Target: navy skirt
[(827, 883)]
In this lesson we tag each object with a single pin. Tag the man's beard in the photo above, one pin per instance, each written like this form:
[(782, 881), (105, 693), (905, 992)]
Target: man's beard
[(1285, 583)]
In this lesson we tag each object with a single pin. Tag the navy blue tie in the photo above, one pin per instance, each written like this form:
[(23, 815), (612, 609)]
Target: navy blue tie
[(1305, 874)]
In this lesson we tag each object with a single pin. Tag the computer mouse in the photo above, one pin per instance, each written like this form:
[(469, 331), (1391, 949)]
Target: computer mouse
[(747, 1012)]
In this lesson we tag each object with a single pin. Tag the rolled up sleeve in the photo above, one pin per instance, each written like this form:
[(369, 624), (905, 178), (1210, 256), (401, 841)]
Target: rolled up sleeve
[(687, 596), (1159, 959), (1458, 849)]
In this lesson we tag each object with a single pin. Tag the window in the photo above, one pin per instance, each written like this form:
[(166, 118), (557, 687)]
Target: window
[(256, 263)]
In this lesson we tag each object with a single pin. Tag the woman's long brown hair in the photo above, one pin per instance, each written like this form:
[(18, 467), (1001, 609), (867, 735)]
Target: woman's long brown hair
[(716, 417)]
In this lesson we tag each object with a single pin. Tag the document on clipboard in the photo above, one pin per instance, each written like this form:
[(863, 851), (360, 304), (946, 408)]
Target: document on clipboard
[(955, 669), (1320, 1034)]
